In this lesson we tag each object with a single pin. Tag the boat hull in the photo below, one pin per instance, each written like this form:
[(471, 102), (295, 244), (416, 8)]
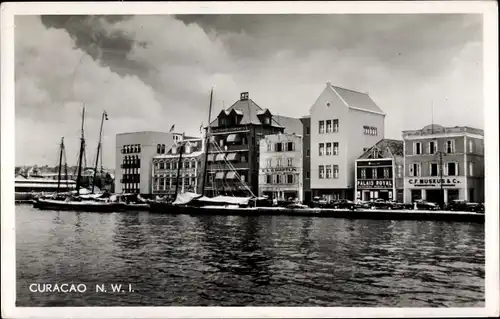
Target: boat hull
[(79, 206)]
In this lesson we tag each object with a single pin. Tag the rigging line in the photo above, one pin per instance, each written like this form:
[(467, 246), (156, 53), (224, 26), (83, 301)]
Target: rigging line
[(238, 176)]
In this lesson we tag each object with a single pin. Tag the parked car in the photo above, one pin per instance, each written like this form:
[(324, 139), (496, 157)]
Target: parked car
[(362, 204), (464, 206), (381, 204), (343, 204), (318, 202), (425, 205), (396, 205)]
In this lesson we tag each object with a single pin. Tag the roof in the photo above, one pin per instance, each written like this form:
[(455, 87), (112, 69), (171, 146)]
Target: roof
[(357, 100), (385, 148), (249, 109), (196, 149), (291, 125)]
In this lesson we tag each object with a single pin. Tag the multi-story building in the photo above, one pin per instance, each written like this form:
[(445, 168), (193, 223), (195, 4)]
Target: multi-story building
[(306, 159), (184, 158), (379, 172), (134, 154), (343, 123), (444, 164), (281, 166), (233, 159)]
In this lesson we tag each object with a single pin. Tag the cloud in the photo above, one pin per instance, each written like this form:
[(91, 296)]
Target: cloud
[(153, 71)]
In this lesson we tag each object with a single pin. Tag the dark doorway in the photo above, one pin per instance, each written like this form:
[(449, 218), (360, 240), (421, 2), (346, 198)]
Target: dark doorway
[(384, 195), (452, 195), (471, 195), (416, 194), (434, 195)]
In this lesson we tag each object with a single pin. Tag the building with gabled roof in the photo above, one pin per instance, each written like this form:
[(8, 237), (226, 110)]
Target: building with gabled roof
[(379, 172), (343, 123)]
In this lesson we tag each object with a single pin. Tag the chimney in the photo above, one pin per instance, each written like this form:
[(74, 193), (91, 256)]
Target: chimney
[(328, 83), (243, 96)]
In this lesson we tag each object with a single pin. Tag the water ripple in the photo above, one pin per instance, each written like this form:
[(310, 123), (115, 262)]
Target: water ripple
[(252, 261)]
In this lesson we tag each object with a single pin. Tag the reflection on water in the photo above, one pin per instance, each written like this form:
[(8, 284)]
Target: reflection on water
[(256, 261)]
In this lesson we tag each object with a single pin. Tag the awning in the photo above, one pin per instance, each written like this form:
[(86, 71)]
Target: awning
[(219, 158), (219, 175), (210, 158), (231, 175), (232, 156), (233, 138)]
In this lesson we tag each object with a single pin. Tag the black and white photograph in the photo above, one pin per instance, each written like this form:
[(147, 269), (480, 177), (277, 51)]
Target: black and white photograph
[(291, 158)]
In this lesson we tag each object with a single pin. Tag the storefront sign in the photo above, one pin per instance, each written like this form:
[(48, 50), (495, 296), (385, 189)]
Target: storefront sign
[(367, 184), (374, 163), (433, 182), (279, 170), (228, 129)]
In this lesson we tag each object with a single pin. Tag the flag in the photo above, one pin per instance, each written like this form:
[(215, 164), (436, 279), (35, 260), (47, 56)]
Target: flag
[(105, 115), (172, 128)]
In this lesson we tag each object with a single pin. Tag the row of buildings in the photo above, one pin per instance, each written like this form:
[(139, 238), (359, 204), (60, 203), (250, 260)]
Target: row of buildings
[(337, 151)]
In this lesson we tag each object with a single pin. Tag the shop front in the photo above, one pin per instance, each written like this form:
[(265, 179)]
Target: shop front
[(374, 189), (434, 189), (375, 179)]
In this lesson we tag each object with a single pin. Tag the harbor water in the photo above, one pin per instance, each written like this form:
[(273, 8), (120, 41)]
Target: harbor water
[(167, 260)]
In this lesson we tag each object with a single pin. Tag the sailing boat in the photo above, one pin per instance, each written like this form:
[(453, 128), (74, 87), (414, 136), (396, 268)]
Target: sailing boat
[(78, 201)]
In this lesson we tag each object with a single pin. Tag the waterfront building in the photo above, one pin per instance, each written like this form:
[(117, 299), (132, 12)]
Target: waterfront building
[(281, 166), (444, 164), (306, 159), (166, 167), (134, 154), (342, 123), (233, 159), (379, 172)]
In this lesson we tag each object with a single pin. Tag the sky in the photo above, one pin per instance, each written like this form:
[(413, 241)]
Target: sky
[(151, 72)]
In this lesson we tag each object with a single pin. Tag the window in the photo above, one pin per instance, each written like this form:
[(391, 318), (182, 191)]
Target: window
[(186, 164), (269, 162), (168, 165), (432, 147), (450, 146), (451, 169), (400, 171), (289, 179), (336, 125), (415, 169), (471, 169), (328, 148), (158, 149), (417, 148), (269, 179), (321, 171), (363, 173), (221, 142), (267, 120), (370, 130), (471, 146), (328, 171), (243, 159), (328, 126), (308, 174), (321, 127), (335, 148), (374, 173), (387, 173), (290, 146), (321, 149), (308, 152), (290, 160), (308, 130), (278, 147), (278, 162), (162, 165), (269, 147), (433, 169), (335, 171)]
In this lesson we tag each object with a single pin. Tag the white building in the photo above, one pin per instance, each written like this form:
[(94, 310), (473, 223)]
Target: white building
[(134, 154), (280, 166), (343, 124)]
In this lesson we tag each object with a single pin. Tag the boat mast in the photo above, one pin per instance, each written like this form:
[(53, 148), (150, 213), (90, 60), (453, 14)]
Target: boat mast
[(61, 148), (207, 136), (179, 168), (82, 146), (98, 151)]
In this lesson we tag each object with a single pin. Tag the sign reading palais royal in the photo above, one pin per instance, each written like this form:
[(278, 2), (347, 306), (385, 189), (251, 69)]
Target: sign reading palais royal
[(374, 184)]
